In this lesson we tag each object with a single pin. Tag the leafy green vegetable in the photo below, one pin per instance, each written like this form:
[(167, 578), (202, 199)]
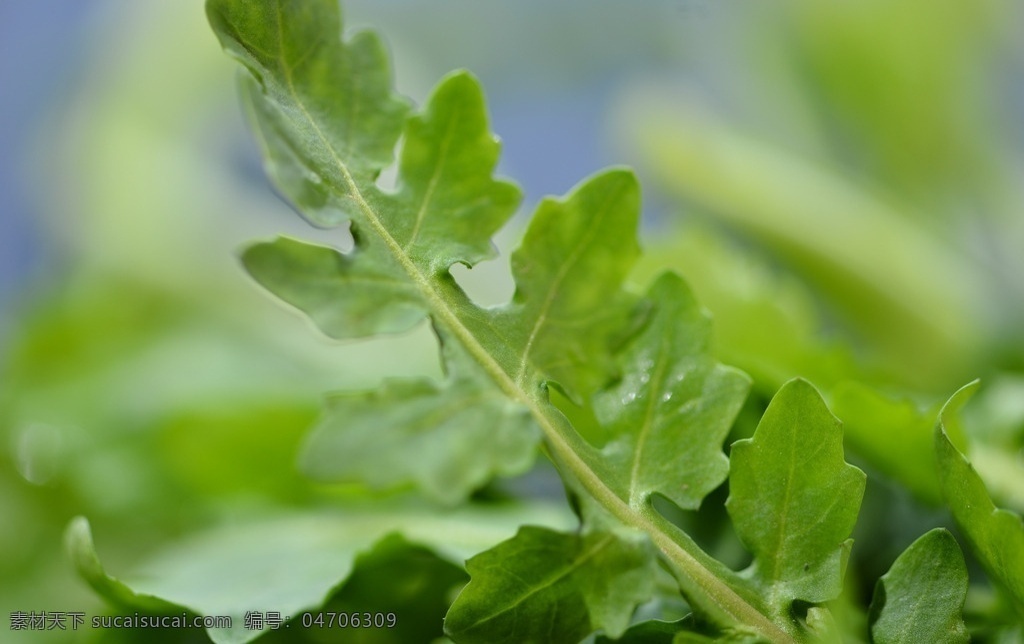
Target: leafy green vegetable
[(996, 536), (161, 404), (566, 271), (559, 329), (920, 598), (636, 373), (337, 293), (794, 500)]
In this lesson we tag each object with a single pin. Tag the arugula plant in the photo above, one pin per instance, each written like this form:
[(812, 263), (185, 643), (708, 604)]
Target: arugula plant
[(650, 405)]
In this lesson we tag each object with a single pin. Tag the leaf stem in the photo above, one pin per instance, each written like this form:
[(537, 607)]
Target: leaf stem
[(701, 585)]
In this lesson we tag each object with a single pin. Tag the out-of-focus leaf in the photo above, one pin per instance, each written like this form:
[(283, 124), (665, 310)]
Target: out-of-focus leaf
[(547, 586), (907, 290), (923, 132), (996, 536), (995, 424), (449, 439), (1002, 471), (673, 407), (893, 435), (920, 598), (396, 581), (737, 286), (653, 631), (288, 563), (343, 297), (78, 540), (247, 449), (794, 499)]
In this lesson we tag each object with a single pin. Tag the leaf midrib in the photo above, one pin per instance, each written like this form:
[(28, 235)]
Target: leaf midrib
[(566, 445), (556, 284), (657, 390), (428, 194)]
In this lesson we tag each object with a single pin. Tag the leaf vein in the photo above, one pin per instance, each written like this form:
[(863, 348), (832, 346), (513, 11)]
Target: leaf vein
[(556, 284), (432, 184)]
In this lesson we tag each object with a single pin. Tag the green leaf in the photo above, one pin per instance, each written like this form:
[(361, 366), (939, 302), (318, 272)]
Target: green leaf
[(674, 405), (547, 586), (287, 563), (316, 98), (920, 598), (444, 177), (394, 579), (445, 210), (794, 500), (996, 536), (344, 298), (568, 305), (449, 438), (79, 544)]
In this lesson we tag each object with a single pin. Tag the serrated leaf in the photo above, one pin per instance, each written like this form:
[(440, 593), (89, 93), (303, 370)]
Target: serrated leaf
[(318, 100), (444, 177), (568, 273), (996, 536), (448, 438), (793, 498), (287, 562), (547, 586), (920, 598), (674, 405)]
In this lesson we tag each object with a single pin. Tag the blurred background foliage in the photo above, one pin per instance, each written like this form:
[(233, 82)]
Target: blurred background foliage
[(841, 183)]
